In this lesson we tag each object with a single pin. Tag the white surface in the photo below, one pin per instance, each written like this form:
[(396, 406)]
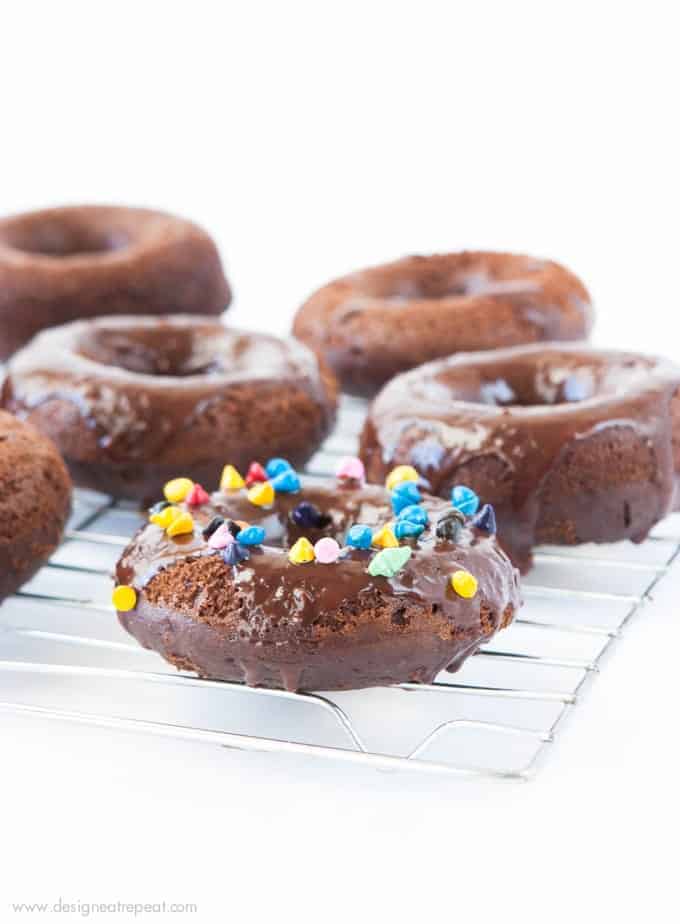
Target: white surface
[(312, 140)]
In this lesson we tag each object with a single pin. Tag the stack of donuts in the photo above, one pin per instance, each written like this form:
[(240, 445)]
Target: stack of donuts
[(492, 427)]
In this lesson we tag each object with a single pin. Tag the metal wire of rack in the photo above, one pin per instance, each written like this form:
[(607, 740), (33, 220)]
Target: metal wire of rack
[(61, 648)]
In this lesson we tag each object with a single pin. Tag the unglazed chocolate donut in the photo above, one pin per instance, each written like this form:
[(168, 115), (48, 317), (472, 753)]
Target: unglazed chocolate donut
[(326, 624), (569, 444), (376, 323), (131, 401), (35, 501), (62, 264)]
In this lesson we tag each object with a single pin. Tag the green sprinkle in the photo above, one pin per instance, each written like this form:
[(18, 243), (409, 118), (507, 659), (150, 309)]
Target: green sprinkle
[(387, 562)]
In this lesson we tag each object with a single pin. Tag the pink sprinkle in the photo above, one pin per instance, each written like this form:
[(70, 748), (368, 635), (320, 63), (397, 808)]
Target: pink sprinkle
[(327, 551), (221, 538), (351, 467), (197, 496)]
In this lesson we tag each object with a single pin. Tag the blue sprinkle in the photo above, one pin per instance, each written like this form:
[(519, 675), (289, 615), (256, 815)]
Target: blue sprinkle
[(403, 529), (275, 466), (251, 535), (286, 482), (359, 537), (486, 520), (414, 514), (235, 553), (465, 500), (404, 495)]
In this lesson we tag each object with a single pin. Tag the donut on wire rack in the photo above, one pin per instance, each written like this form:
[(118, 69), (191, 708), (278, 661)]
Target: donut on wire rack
[(569, 444), (378, 322), (129, 401)]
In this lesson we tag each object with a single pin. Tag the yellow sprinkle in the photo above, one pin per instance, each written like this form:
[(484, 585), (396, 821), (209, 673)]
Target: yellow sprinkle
[(177, 489), (231, 479), (399, 474), (302, 552), (464, 583), (182, 524), (262, 494), (165, 516), (384, 539), (124, 598)]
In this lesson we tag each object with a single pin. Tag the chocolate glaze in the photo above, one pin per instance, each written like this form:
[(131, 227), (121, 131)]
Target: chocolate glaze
[(569, 444), (133, 402), (314, 626), (373, 324), (61, 264)]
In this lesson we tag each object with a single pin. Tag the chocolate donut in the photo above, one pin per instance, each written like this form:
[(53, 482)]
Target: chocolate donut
[(376, 323), (66, 263), (569, 444), (347, 618), (131, 401), (35, 502)]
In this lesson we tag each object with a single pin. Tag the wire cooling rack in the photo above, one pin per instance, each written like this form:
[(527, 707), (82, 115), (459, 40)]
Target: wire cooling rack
[(63, 655)]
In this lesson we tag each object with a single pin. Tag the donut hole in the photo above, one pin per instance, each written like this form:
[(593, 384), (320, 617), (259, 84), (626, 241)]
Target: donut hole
[(533, 391), (154, 351), (61, 238), (456, 276), (430, 286), (461, 285), (544, 380)]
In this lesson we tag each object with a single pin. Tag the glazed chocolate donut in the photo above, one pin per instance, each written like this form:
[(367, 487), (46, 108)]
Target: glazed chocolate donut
[(376, 323), (569, 444), (62, 264), (35, 502), (346, 618), (131, 401)]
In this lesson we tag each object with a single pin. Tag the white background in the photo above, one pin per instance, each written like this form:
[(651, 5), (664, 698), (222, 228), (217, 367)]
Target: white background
[(312, 139)]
